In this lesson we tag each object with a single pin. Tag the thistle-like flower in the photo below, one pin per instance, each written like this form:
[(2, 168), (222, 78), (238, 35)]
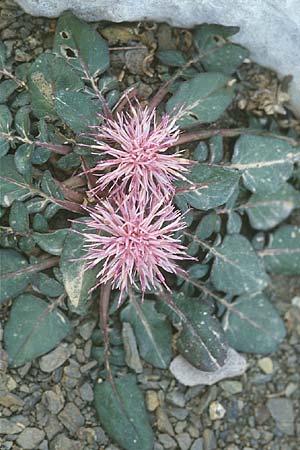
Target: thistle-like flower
[(138, 163), (133, 243)]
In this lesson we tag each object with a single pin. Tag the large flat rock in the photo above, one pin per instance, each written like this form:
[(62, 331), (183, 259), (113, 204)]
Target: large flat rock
[(270, 28)]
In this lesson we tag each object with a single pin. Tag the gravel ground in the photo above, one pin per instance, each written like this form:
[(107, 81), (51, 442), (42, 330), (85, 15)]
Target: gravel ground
[(49, 404)]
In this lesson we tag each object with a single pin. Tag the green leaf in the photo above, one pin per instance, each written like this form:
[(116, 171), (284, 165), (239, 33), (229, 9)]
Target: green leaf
[(34, 327), (206, 97), (208, 225), (40, 223), (23, 160), (73, 265), (12, 184), (282, 255), (153, 333), (77, 110), (12, 285), (266, 163), (123, 416), (211, 186), (51, 242), (217, 54), (80, 45), (49, 186), (19, 217), (201, 339), (7, 87), (69, 162), (234, 223), (265, 211), (172, 58), (5, 123), (47, 285), (254, 326), (2, 54), (22, 121), (47, 75), (236, 268)]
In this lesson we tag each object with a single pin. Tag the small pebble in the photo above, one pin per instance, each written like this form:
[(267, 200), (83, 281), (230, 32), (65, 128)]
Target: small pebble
[(209, 440), (54, 359), (198, 444), (184, 441), (176, 398), (282, 412), (266, 365), (152, 400), (86, 392), (8, 426), (216, 411), (71, 417), (167, 441), (30, 438), (232, 387)]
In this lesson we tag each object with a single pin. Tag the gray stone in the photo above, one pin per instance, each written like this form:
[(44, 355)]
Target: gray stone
[(86, 329), (53, 427), (188, 375), (44, 445), (30, 438), (54, 401), (178, 413), (209, 440), (132, 356), (198, 444), (184, 441), (260, 34), (10, 426), (176, 398), (167, 441), (232, 387), (71, 417), (54, 359), (62, 442), (163, 423), (86, 392), (8, 400), (282, 412)]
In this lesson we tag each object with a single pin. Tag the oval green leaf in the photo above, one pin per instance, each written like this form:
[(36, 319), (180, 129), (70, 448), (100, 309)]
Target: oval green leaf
[(34, 328), (237, 269), (282, 255), (153, 333), (13, 279), (266, 163), (205, 97), (123, 415), (254, 326)]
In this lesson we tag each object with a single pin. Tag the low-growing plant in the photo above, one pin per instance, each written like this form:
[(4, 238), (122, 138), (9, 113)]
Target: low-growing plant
[(159, 212)]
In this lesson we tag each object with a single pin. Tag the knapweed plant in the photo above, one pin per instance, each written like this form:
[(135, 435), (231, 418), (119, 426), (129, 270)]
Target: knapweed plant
[(163, 213)]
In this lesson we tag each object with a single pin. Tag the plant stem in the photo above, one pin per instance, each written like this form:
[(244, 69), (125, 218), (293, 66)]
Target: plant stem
[(231, 132), (13, 77), (103, 315), (46, 264), (60, 149)]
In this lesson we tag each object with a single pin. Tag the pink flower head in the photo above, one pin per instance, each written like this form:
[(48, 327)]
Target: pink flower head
[(134, 243), (136, 146)]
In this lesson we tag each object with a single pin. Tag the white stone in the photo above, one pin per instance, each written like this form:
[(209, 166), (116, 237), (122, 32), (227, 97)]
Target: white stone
[(189, 375), (269, 29), (216, 411), (266, 365)]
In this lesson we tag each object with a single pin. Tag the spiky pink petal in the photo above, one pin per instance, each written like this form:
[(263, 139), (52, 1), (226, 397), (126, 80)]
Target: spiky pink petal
[(133, 243), (136, 146)]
